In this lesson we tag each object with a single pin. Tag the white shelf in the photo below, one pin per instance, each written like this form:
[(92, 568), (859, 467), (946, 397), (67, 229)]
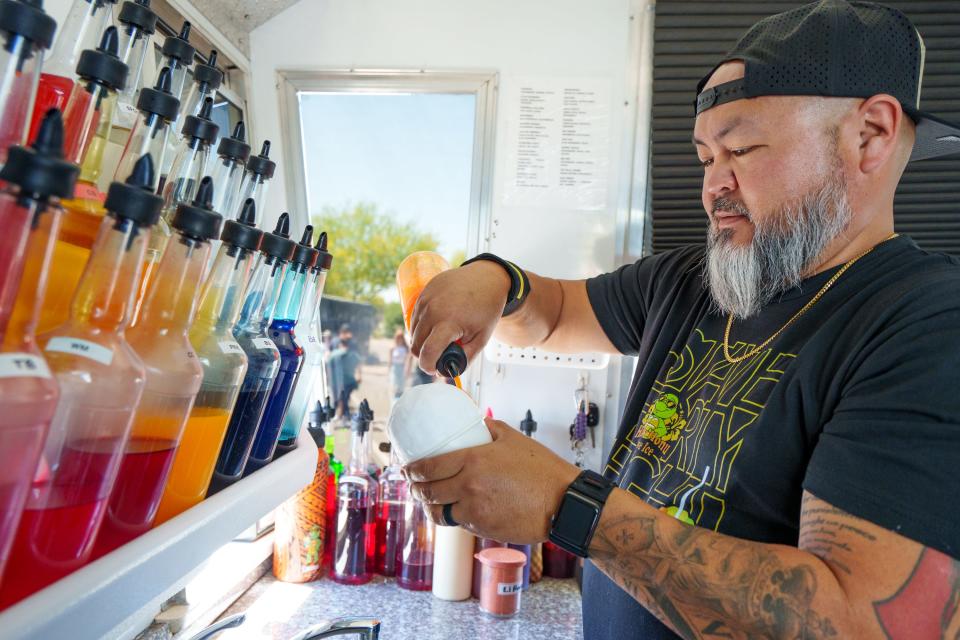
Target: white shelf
[(118, 595)]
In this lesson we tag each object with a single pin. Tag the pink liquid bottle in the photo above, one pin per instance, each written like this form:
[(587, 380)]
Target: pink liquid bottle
[(354, 552), (174, 373), (390, 507), (84, 24), (26, 32), (101, 380), (34, 181), (415, 548)]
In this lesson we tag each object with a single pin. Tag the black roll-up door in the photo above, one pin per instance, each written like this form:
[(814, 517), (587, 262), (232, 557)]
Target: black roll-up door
[(690, 37)]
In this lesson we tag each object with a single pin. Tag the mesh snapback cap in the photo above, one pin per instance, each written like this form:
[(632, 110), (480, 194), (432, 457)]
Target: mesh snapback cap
[(840, 49)]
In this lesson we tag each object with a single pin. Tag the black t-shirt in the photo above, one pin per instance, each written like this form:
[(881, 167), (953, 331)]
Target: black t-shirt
[(857, 402)]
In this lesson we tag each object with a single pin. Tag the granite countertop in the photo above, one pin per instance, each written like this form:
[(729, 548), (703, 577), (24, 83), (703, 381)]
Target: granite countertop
[(277, 610)]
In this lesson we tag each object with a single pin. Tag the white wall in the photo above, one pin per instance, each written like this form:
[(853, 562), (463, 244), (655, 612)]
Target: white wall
[(532, 38)]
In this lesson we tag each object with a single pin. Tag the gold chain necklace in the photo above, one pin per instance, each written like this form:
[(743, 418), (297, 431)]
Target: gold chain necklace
[(804, 309)]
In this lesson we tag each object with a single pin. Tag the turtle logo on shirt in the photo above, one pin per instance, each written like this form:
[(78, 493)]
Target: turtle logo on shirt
[(663, 420)]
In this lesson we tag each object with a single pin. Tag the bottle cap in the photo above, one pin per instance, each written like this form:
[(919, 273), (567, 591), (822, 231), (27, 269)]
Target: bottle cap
[(453, 361), (139, 15), (278, 244), (158, 99), (315, 426), (304, 253), (364, 416), (528, 425), (102, 64), (262, 165), (197, 219), (29, 20), (179, 47), (324, 259), (40, 169), (234, 146), (502, 557), (243, 231), (329, 409), (134, 199), (208, 72), (201, 126)]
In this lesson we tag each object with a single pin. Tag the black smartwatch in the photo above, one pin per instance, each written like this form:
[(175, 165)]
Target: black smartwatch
[(576, 520), (519, 281)]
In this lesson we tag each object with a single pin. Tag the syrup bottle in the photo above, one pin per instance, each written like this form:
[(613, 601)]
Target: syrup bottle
[(259, 303), (281, 331), (26, 32), (80, 31), (178, 56), (34, 181), (255, 181), (308, 328), (227, 173), (158, 108), (173, 374), (390, 508), (224, 366), (354, 552), (101, 380), (137, 24), (206, 80)]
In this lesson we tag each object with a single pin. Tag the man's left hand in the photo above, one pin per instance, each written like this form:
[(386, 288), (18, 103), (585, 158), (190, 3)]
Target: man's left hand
[(507, 490)]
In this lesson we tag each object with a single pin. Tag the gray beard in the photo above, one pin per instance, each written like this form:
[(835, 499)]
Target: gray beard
[(742, 280)]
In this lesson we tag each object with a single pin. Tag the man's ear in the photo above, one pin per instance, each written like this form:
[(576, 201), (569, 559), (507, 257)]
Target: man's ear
[(880, 119)]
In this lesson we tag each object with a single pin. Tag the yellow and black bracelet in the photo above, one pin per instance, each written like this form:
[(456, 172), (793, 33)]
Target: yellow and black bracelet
[(519, 282)]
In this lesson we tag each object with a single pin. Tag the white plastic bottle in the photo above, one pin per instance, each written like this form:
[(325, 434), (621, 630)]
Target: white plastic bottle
[(430, 420)]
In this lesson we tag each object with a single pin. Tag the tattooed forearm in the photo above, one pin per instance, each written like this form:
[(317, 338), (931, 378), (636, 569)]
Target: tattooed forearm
[(826, 532), (708, 585)]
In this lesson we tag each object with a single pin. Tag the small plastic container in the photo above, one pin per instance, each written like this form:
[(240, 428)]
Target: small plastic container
[(527, 551), (479, 545), (432, 419), (501, 581)]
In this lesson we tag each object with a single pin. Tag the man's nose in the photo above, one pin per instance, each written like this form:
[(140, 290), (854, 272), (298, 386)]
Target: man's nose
[(719, 180)]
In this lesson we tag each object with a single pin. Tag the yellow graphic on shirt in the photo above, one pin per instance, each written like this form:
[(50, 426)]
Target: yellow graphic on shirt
[(698, 413)]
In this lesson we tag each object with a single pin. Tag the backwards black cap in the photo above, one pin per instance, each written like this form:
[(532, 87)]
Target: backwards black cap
[(243, 231), (840, 49), (208, 72), (262, 165), (134, 199), (139, 15), (304, 253), (28, 20), (179, 47), (234, 146), (159, 100), (102, 64), (324, 260), (197, 219), (278, 244), (41, 170), (201, 126)]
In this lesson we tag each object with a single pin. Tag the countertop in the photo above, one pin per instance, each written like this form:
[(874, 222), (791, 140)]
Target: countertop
[(277, 610)]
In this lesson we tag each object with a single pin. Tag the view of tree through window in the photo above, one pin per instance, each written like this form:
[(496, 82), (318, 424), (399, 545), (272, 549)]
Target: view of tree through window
[(387, 175)]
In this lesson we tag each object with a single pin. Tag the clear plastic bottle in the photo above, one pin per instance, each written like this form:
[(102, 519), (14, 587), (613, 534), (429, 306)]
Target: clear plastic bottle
[(26, 32), (413, 274), (180, 187), (157, 108), (282, 333), (256, 179), (137, 24), (227, 173), (264, 359), (80, 31), (301, 522), (354, 552), (415, 548), (178, 55), (34, 180), (311, 385), (101, 380), (390, 512), (173, 374), (224, 366), (206, 81)]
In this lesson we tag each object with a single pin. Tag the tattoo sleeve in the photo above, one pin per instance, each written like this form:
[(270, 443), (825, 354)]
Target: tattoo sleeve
[(847, 578)]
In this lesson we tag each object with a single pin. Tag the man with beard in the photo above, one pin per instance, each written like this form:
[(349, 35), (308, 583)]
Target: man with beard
[(786, 466)]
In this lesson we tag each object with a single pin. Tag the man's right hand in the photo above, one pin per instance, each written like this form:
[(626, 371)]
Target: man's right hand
[(462, 304)]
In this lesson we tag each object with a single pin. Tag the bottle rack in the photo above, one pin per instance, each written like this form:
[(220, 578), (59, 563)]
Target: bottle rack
[(118, 596)]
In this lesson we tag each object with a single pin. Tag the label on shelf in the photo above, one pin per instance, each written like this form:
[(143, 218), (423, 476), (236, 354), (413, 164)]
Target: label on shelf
[(263, 343), (23, 365), (82, 348), (230, 346)]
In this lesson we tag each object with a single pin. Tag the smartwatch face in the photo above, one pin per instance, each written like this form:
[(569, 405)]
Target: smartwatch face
[(577, 517)]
